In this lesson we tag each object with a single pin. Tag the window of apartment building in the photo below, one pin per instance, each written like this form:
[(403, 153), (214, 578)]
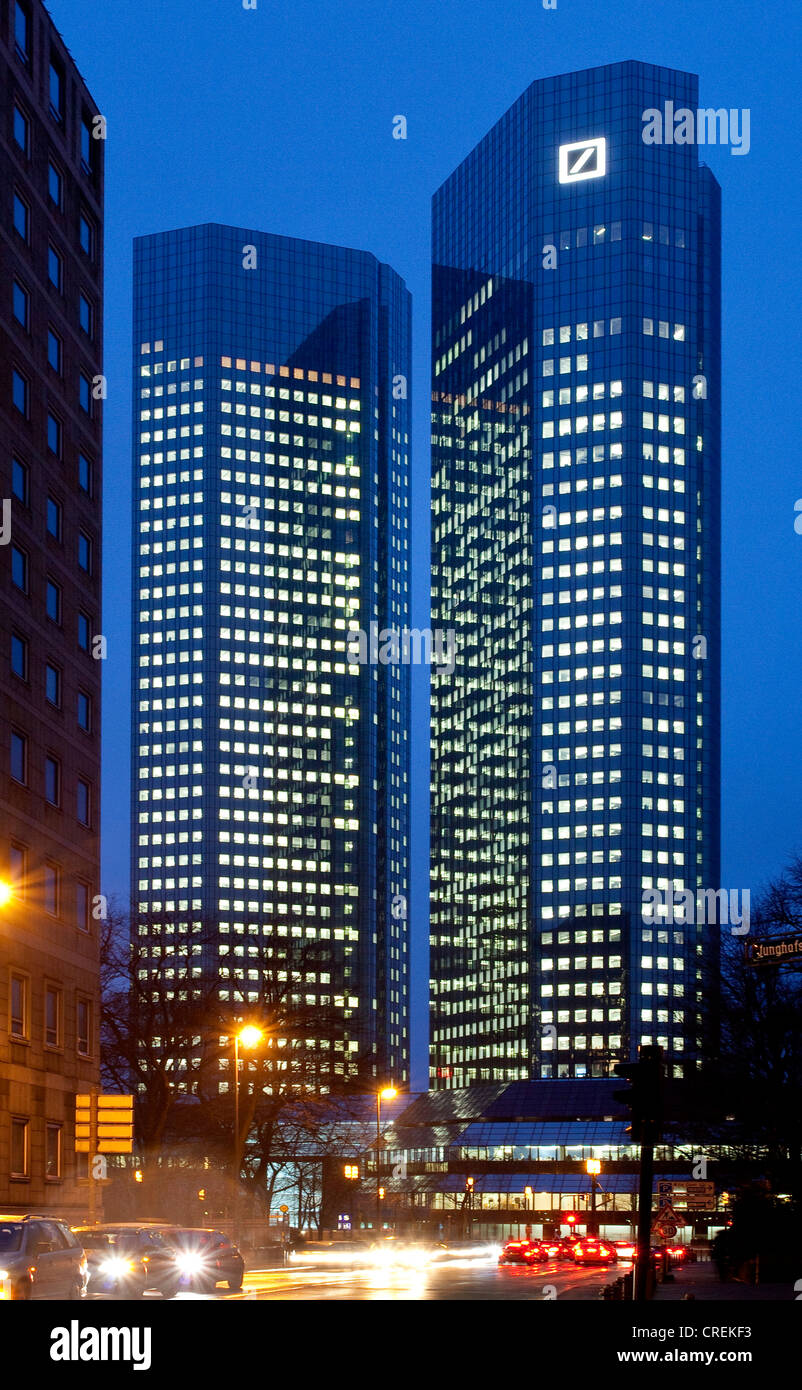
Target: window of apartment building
[(54, 515), (19, 757), (20, 477), (84, 802), (54, 434), (82, 895), (55, 267), (84, 552), (85, 474), (20, 392), (84, 711), (84, 631), (53, 1151), (85, 314), (56, 89), (86, 234), (83, 1018), (19, 568), (19, 655), (54, 350), (17, 867), (55, 185), (52, 780), (20, 1156), (22, 31), (22, 217), (53, 601), (54, 1010), (21, 304), (53, 684), (22, 130), (85, 393), (89, 145), (19, 1006)]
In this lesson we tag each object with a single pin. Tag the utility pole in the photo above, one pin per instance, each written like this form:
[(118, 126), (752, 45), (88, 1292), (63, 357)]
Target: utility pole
[(643, 1099)]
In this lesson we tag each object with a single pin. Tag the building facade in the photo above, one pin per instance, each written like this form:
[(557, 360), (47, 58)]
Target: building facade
[(50, 466), (270, 768), (576, 554)]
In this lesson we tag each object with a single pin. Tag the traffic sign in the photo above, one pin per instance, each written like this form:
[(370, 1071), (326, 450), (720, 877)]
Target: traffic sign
[(669, 1231), (104, 1124), (666, 1217)]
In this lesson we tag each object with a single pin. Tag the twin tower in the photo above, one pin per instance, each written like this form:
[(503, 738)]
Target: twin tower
[(573, 639)]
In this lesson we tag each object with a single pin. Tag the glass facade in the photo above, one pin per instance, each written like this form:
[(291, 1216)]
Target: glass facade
[(270, 774), (576, 554)]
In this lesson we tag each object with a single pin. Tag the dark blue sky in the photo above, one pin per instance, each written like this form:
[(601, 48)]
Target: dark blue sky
[(280, 118)]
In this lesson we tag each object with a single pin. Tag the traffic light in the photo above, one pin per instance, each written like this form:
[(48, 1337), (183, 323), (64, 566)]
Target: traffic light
[(642, 1097), (381, 1194), (571, 1218)]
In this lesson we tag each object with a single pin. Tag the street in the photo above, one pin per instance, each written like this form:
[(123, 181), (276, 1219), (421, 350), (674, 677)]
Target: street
[(458, 1280)]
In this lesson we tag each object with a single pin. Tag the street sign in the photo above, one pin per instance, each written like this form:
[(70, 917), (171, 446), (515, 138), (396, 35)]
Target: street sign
[(669, 1231), (700, 1196), (104, 1124), (773, 950), (664, 1218)]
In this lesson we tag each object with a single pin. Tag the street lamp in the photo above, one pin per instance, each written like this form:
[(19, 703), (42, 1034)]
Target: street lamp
[(593, 1168), (383, 1093), (6, 893), (247, 1037)]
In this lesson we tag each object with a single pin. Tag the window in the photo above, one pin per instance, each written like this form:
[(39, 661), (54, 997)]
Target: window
[(54, 350), (19, 481), (21, 303), (54, 434), (19, 757), (84, 1027), (54, 518), (19, 568), (55, 267), (85, 314), (22, 31), (53, 684), (85, 474), (56, 89), (84, 632), (84, 552), (17, 867), (53, 601), (19, 392), (19, 1005), (22, 130), (84, 802), (85, 393), (19, 656), (22, 217), (50, 891), (84, 712), (55, 185), (53, 1151), (82, 905), (19, 1148), (52, 780), (86, 234)]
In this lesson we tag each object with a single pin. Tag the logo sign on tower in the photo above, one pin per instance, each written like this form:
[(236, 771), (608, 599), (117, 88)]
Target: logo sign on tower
[(584, 159)]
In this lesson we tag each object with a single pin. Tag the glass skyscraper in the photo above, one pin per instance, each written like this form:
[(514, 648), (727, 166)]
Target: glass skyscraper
[(576, 555), (270, 771)]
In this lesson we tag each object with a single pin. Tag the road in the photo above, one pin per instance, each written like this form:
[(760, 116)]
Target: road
[(458, 1281)]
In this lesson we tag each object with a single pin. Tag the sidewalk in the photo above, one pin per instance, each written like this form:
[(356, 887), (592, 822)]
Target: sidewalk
[(702, 1281)]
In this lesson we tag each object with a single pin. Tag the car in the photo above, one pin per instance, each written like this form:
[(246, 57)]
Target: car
[(551, 1249), (567, 1244), (521, 1252), (204, 1258), (40, 1258), (591, 1250), (625, 1249), (125, 1260)]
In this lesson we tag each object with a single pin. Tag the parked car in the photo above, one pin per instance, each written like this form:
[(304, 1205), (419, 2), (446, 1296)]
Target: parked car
[(40, 1258), (126, 1259)]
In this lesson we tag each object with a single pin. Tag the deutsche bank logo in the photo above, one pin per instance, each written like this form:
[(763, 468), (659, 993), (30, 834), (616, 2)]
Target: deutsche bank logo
[(585, 159)]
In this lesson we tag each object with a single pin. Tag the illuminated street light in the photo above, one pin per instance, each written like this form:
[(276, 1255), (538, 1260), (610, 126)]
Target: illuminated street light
[(6, 892), (383, 1093), (249, 1037), (593, 1168)]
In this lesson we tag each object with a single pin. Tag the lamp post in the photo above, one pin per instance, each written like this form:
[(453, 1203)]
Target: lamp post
[(593, 1168), (248, 1037), (383, 1093)]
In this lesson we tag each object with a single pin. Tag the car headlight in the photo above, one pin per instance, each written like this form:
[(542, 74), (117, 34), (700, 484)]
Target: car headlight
[(190, 1263), (116, 1267)]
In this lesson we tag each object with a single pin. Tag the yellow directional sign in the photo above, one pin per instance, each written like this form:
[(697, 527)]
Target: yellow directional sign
[(104, 1124)]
